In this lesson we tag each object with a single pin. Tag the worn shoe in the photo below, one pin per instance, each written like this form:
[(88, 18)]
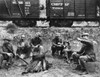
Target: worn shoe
[(24, 73), (0, 67), (84, 71), (77, 68)]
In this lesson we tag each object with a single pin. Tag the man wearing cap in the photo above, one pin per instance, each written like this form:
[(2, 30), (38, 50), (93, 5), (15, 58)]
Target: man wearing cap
[(57, 45), (86, 54), (22, 41), (36, 42), (21, 46), (6, 52), (38, 62), (67, 51)]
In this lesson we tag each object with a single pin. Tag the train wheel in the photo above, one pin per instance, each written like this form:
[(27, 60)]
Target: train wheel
[(60, 23), (55, 23), (69, 23), (25, 23)]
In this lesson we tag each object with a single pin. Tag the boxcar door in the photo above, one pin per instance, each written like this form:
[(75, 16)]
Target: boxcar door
[(80, 11), (56, 8), (17, 8), (5, 11), (69, 9), (32, 8), (91, 9)]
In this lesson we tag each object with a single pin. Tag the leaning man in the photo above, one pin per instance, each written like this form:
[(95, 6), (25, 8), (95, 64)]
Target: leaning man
[(38, 62), (86, 54), (7, 52)]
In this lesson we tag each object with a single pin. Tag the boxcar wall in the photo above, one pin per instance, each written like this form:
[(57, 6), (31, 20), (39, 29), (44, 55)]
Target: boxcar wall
[(5, 8), (57, 11), (19, 9), (72, 9)]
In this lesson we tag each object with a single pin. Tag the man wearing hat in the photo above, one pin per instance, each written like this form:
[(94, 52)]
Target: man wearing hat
[(57, 45), (67, 51), (6, 52), (36, 42), (38, 61), (86, 53), (21, 46)]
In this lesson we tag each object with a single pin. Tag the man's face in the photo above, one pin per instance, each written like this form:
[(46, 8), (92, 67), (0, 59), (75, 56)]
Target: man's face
[(23, 38), (6, 41), (66, 44), (85, 37), (58, 36)]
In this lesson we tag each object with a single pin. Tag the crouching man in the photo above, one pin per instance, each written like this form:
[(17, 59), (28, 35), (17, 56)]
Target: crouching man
[(7, 52), (67, 51), (21, 47), (57, 45), (38, 62), (86, 54)]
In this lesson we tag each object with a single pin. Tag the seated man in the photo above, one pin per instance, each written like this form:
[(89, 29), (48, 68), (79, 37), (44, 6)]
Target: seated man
[(67, 51), (57, 45), (86, 53), (23, 47), (38, 62), (7, 52)]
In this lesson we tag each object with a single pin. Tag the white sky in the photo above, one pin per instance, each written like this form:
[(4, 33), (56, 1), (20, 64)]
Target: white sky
[(43, 2)]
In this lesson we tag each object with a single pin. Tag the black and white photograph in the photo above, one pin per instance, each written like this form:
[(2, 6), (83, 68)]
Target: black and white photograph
[(49, 38)]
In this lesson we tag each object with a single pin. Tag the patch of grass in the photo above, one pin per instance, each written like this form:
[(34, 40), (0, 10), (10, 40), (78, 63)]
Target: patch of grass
[(11, 28)]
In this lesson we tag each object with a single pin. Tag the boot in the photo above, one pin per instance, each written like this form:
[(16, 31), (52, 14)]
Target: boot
[(23, 73), (78, 68), (84, 71)]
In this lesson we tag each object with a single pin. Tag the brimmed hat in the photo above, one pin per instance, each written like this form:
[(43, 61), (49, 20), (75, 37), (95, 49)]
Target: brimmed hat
[(66, 42), (85, 34), (23, 36), (57, 34), (38, 34), (7, 39)]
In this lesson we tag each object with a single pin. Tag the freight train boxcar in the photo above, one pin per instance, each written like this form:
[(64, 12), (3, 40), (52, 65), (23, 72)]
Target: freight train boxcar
[(58, 12), (71, 10), (19, 9)]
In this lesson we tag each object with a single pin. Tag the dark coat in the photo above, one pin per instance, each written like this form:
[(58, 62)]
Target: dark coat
[(36, 41)]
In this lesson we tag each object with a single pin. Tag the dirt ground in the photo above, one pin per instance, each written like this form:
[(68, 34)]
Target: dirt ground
[(59, 69)]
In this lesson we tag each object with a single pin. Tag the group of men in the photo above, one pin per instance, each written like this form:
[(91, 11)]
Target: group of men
[(38, 62), (24, 49), (86, 54)]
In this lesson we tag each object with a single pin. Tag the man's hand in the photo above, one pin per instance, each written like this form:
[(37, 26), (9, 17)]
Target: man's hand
[(9, 54), (35, 46), (59, 45), (78, 38)]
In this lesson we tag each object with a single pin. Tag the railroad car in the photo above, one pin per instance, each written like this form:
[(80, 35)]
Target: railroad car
[(57, 12), (21, 12), (64, 12)]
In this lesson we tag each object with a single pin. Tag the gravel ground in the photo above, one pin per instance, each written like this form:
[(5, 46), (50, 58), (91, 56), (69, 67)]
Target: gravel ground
[(59, 69)]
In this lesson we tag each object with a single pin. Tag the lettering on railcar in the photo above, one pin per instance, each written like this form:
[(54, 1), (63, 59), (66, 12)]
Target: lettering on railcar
[(60, 8), (56, 4), (15, 2)]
